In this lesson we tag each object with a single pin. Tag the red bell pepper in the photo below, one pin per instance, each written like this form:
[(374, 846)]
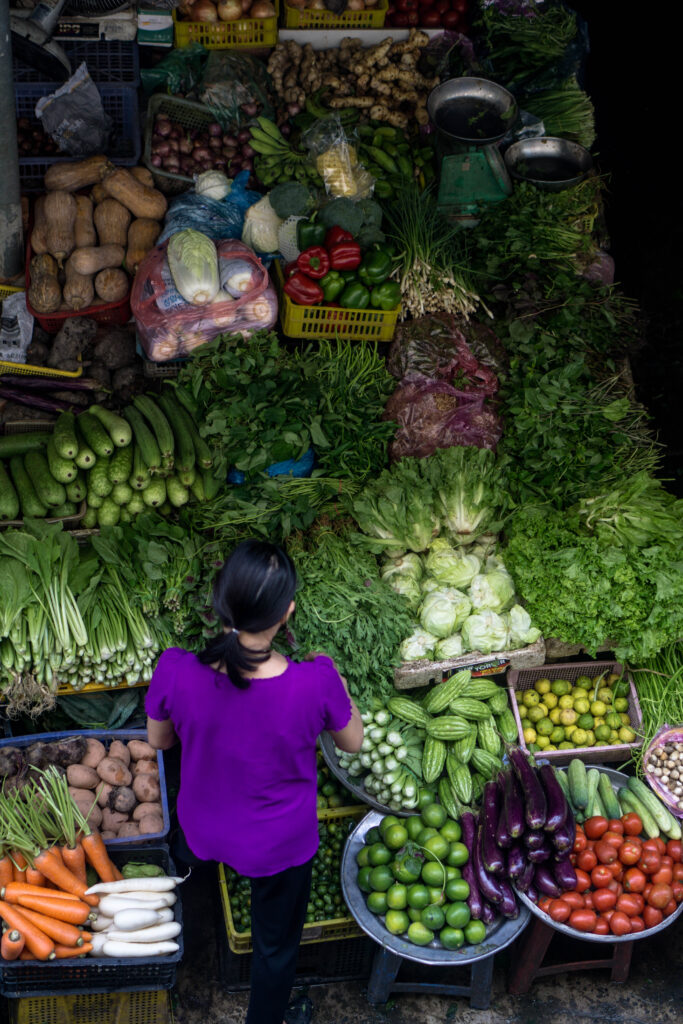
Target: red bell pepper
[(314, 261), (289, 269), (303, 290), (335, 235), (345, 256)]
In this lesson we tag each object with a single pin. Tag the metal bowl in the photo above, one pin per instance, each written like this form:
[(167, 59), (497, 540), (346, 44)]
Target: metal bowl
[(548, 163), (358, 790), (498, 935), (472, 110), (620, 779)]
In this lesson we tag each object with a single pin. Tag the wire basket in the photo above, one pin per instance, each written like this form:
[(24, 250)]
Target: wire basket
[(243, 34), (372, 17), (110, 62), (95, 1008), (186, 113), (72, 520)]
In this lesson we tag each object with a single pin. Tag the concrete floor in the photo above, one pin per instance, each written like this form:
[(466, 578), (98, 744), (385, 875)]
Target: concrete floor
[(653, 993)]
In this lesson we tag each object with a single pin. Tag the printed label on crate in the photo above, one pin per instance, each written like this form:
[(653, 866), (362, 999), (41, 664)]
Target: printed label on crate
[(155, 28), (494, 667)]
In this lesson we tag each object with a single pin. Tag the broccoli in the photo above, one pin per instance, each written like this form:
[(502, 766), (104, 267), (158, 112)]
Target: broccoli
[(290, 199), (343, 213)]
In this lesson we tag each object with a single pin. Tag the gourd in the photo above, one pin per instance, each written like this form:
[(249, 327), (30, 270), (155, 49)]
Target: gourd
[(143, 175), (43, 264), (70, 177), (78, 288), (136, 197), (95, 258), (38, 242), (60, 219), (44, 292), (111, 284), (142, 236), (97, 193), (84, 229), (112, 220)]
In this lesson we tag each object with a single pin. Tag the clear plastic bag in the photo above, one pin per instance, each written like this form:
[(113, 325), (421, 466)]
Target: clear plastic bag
[(218, 219), (170, 328), (73, 116), (336, 160), (667, 734), (435, 347)]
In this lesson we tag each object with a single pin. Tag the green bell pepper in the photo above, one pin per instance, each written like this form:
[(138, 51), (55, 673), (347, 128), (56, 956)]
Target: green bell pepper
[(355, 296), (386, 295), (309, 233), (376, 266), (332, 284), (348, 276)]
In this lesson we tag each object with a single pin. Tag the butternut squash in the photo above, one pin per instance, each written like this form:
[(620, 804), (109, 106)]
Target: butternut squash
[(97, 193), (112, 284), (143, 175), (84, 229), (70, 177), (136, 197), (60, 219), (38, 240), (44, 294), (78, 288), (112, 220), (95, 258), (43, 264), (142, 236)]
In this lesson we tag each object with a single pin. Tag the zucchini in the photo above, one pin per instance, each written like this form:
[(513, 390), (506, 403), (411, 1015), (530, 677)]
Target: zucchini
[(175, 492), (93, 500), (155, 494), (85, 456), (592, 780), (136, 504), (50, 491), (201, 449), (184, 446), (197, 488), (89, 520), (122, 493), (20, 444), (630, 802), (64, 436), (117, 428), (186, 476), (121, 465), (578, 783), (63, 470), (95, 434), (139, 477), (659, 812), (76, 490), (144, 440), (211, 484), (108, 513), (159, 424), (608, 797), (124, 515), (69, 508), (9, 499), (98, 478), (31, 505)]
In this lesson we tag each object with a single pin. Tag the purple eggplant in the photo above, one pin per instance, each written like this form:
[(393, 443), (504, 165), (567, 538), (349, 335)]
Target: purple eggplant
[(540, 853), (564, 873), (535, 805), (555, 798), (533, 840), (516, 860), (492, 856), (563, 839), (503, 837), (468, 823), (513, 805), (488, 913), (508, 907), (532, 893), (544, 880), (489, 886), (526, 877)]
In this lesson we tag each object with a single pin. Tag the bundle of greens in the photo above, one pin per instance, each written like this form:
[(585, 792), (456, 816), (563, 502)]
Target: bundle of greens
[(523, 38), (344, 610), (659, 682), (566, 112)]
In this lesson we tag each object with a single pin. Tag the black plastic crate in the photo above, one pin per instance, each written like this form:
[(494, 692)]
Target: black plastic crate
[(319, 963), (28, 978), (113, 62)]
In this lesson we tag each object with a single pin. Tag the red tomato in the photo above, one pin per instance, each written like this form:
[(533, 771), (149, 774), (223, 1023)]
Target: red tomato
[(637, 924), (452, 20), (413, 17), (616, 825), (633, 826), (442, 6), (583, 920), (588, 901), (430, 19), (675, 849), (660, 895), (604, 899), (544, 903), (630, 904), (595, 827), (583, 880), (580, 842), (574, 899), (619, 923), (605, 852), (559, 910), (615, 839), (601, 876), (656, 845), (664, 875), (616, 869), (629, 852), (650, 862), (678, 872), (587, 860), (459, 5), (634, 880), (677, 890), (400, 20), (607, 915), (670, 908), (426, 3), (647, 890), (601, 926), (652, 917)]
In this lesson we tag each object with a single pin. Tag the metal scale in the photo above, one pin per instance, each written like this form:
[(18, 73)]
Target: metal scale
[(472, 116)]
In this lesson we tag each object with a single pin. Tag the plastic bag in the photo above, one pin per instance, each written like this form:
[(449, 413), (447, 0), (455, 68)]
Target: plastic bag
[(74, 117), (336, 160), (236, 87), (219, 219), (434, 347), (179, 73), (170, 328), (16, 328), (667, 734)]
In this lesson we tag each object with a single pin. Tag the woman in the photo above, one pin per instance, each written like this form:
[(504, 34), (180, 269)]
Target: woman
[(248, 719)]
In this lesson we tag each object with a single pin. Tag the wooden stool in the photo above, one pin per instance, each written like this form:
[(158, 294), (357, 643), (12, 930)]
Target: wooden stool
[(531, 950), (386, 966)]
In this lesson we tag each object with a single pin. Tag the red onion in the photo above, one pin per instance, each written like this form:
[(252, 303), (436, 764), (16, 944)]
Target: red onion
[(243, 136), (286, 130), (247, 164), (229, 152), (163, 149), (215, 129), (201, 153), (156, 160), (250, 109), (173, 145), (220, 164), (185, 145), (247, 151), (162, 126), (171, 165), (176, 132), (215, 143), (230, 140), (293, 109)]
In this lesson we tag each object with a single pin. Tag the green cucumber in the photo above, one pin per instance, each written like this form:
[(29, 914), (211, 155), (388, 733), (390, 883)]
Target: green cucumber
[(19, 444), (197, 488), (184, 447), (630, 803), (122, 493), (176, 493), (31, 505), (124, 515), (187, 477), (98, 478), (64, 436), (108, 514), (64, 470), (159, 424), (155, 494), (592, 780), (89, 520), (95, 435), (139, 477), (93, 500), (211, 485), (69, 508), (578, 783), (76, 490), (659, 812), (9, 499), (598, 809), (117, 428), (144, 440), (609, 800), (136, 504), (85, 456), (50, 491), (121, 465)]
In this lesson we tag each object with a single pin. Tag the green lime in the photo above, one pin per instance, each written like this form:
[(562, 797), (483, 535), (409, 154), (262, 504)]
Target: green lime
[(395, 836), (414, 825), (530, 698), (457, 855), (557, 735), (433, 917), (434, 815), (621, 704), (373, 835), (397, 896), (414, 914), (436, 894), (418, 896), (560, 687), (425, 796), (457, 889), (544, 727), (436, 848), (427, 833), (475, 932), (538, 713), (381, 878), (387, 821), (397, 922), (420, 935), (377, 902), (458, 915), (379, 854), (364, 883), (585, 722), (452, 938), (451, 831), (613, 720), (406, 868), (432, 873), (452, 873), (363, 856)]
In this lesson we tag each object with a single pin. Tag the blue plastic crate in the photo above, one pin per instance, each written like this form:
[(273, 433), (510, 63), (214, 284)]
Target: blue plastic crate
[(106, 736), (21, 979), (112, 62), (120, 102)]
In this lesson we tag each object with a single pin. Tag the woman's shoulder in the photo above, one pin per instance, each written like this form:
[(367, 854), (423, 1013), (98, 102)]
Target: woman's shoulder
[(321, 667), (173, 658)]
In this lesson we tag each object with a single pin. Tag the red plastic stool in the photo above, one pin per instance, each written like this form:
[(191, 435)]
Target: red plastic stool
[(528, 960)]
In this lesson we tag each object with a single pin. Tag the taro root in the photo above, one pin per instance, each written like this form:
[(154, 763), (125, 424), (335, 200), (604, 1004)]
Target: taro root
[(69, 751), (122, 799), (11, 760), (40, 755)]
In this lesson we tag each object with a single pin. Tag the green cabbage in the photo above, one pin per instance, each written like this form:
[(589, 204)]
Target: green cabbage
[(407, 587), (395, 510), (429, 585), (443, 612), (485, 631), (470, 491), (451, 647), (420, 644), (407, 565), (193, 262), (521, 630), (446, 565), (492, 590)]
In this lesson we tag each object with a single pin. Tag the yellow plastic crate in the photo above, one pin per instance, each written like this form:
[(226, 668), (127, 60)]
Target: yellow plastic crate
[(26, 368), (94, 1008), (372, 17), (243, 34), (333, 321), (7, 289), (317, 931)]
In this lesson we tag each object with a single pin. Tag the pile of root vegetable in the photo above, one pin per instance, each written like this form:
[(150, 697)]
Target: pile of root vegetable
[(382, 81)]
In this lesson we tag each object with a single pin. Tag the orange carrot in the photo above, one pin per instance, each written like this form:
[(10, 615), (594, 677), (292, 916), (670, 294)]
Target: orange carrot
[(19, 866), (6, 871), (12, 944), (97, 856), (74, 860), (14, 889), (54, 869), (37, 942), (74, 912), (118, 877), (63, 952), (25, 955), (34, 877), (60, 931), (86, 936)]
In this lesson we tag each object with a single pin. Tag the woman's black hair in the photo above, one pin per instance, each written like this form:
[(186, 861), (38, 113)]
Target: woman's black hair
[(251, 593)]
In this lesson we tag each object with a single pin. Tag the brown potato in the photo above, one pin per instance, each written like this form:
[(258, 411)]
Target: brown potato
[(144, 809), (113, 771), (113, 820), (94, 754), (146, 789), (145, 767), (122, 799), (108, 834), (129, 828), (139, 749), (120, 750), (103, 791), (150, 824), (82, 776)]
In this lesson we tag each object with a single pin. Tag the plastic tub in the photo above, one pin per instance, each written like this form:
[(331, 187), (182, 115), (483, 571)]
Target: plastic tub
[(243, 34)]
